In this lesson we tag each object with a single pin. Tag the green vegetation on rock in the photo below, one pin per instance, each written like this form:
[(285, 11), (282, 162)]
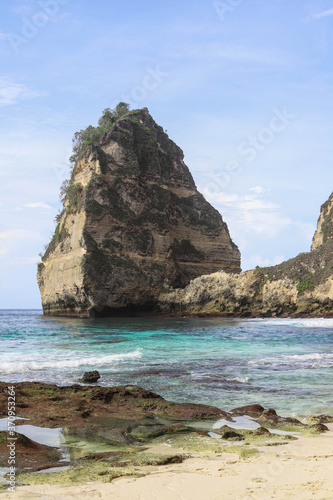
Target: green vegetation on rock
[(60, 234), (71, 193), (83, 139)]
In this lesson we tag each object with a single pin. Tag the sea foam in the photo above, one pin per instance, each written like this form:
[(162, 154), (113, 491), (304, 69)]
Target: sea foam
[(295, 322), (67, 363)]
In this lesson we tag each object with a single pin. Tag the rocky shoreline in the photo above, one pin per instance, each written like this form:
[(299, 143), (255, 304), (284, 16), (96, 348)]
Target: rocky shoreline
[(136, 237), (299, 287), (114, 429)]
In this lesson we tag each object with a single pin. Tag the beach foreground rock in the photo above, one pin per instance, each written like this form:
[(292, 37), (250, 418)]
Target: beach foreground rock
[(119, 423), (77, 405)]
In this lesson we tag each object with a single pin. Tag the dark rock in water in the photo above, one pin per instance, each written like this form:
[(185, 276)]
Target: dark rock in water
[(91, 377), (251, 410)]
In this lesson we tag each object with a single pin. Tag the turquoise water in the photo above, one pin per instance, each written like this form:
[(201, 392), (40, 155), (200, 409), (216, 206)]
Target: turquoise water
[(285, 364)]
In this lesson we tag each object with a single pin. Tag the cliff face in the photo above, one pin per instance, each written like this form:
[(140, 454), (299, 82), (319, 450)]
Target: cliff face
[(324, 230), (133, 223), (299, 286)]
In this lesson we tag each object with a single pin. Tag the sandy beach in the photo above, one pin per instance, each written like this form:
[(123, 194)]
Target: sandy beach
[(299, 469)]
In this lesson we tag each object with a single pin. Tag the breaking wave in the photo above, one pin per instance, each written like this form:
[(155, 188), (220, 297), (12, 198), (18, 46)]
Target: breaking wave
[(67, 363), (296, 322)]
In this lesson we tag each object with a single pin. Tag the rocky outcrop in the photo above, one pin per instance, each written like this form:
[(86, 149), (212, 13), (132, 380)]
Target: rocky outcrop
[(324, 230), (133, 223), (28, 454), (299, 286), (91, 377), (76, 405)]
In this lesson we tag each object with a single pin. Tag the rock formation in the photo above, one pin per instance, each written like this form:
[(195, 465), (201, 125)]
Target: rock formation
[(133, 222), (300, 286), (324, 230)]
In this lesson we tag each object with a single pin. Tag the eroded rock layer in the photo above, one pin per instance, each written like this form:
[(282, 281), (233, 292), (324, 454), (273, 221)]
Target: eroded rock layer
[(133, 223), (324, 230), (302, 286)]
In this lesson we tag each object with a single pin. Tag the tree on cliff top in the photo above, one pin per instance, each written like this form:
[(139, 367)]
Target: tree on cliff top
[(91, 135)]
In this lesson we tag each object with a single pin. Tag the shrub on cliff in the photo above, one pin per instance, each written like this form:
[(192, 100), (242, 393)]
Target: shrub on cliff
[(91, 135)]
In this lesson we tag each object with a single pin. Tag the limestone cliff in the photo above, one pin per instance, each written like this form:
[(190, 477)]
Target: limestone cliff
[(300, 286), (133, 222), (324, 230)]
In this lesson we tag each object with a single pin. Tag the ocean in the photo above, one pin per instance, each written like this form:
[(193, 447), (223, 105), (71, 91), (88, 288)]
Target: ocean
[(286, 364)]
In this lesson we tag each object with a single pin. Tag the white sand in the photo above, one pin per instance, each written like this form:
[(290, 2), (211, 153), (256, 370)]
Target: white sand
[(301, 470)]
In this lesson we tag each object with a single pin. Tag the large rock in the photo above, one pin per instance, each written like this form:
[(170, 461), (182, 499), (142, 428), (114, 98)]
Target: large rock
[(84, 405), (324, 231), (133, 224)]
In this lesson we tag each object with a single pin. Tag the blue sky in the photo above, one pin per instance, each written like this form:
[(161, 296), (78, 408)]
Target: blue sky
[(244, 88)]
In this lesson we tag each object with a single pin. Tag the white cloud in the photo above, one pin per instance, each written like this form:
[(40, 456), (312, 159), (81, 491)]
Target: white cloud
[(319, 15), (38, 205), (8, 237), (218, 197), (257, 189), (252, 212), (252, 204), (11, 92)]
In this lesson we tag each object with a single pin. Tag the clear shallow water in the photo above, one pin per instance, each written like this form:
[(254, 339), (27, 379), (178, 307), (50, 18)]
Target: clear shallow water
[(286, 364)]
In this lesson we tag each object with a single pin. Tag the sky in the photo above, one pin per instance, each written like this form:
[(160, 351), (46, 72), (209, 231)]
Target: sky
[(244, 88)]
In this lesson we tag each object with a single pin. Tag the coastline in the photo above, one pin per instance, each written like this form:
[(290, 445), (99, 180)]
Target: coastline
[(300, 469), (190, 314), (164, 450)]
